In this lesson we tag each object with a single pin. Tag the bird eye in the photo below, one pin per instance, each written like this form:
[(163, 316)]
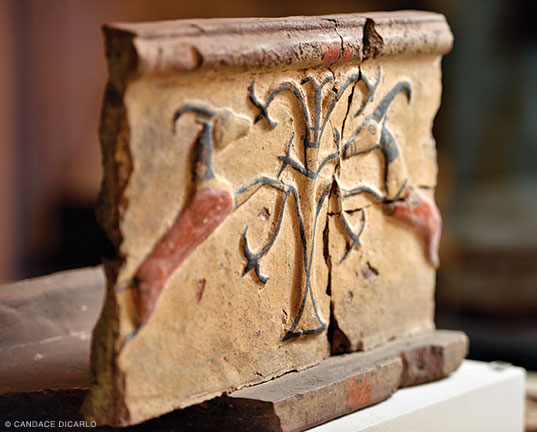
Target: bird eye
[(372, 129)]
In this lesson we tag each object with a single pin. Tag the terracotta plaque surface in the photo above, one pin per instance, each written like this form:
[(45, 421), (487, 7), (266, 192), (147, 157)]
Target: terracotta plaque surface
[(269, 189)]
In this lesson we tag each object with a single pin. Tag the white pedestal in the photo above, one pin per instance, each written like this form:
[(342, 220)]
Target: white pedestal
[(477, 397)]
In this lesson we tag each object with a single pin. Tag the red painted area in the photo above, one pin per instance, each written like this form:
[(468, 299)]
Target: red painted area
[(422, 214), (333, 53), (358, 394), (347, 54), (209, 207)]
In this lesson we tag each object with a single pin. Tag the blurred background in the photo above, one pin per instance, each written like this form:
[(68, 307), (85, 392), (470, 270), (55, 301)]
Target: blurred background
[(52, 77)]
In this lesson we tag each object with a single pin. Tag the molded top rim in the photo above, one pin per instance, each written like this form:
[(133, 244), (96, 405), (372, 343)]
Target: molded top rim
[(261, 43)]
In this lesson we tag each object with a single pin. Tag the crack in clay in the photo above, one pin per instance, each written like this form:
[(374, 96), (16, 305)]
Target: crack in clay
[(341, 53), (199, 28), (327, 257), (426, 187), (337, 339), (342, 49), (349, 103), (354, 210)]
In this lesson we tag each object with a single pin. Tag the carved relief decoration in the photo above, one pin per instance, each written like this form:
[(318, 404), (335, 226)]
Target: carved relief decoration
[(312, 163)]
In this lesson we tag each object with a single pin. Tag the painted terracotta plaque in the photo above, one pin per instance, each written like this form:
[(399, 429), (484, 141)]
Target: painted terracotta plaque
[(269, 189)]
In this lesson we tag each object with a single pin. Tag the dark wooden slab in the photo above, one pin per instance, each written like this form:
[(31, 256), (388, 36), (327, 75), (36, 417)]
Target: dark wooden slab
[(46, 330)]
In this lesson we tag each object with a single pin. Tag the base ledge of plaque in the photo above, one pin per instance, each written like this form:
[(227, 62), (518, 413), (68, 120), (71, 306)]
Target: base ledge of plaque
[(337, 386)]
